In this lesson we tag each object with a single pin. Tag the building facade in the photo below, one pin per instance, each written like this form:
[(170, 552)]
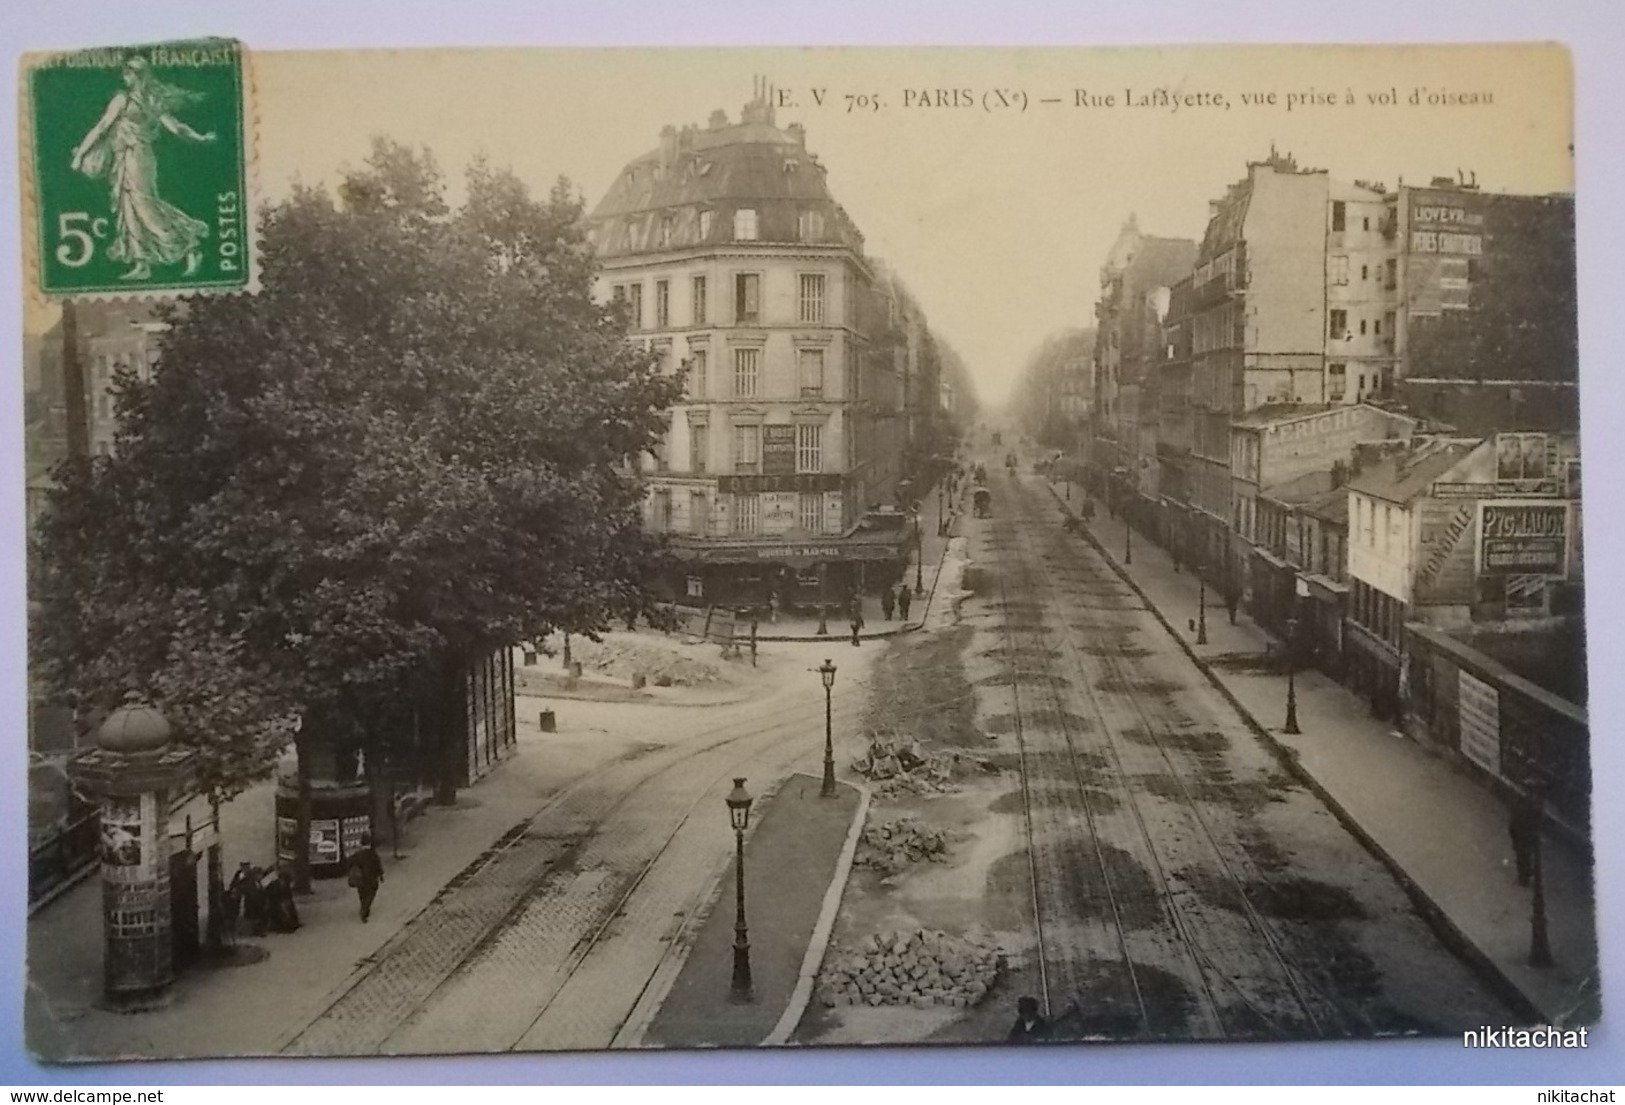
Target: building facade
[(1486, 330), (1135, 293), (1455, 532), (737, 266), (1283, 456)]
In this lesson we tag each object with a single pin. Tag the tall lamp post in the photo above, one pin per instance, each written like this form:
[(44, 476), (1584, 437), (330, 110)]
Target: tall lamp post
[(1201, 603), (1540, 947), (1128, 536), (739, 801), (823, 601), (828, 789), (1291, 726)]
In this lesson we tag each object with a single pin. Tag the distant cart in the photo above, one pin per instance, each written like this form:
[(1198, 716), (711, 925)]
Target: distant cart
[(984, 503)]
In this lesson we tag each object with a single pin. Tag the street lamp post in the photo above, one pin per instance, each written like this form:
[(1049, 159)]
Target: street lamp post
[(823, 601), (939, 510), (1201, 604), (1128, 536), (828, 789), (1291, 726), (1540, 948), (739, 801)]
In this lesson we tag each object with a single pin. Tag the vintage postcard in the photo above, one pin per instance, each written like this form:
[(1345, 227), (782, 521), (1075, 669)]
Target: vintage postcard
[(539, 550)]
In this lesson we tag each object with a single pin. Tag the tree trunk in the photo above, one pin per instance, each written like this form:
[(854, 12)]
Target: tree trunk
[(301, 850), (451, 716), (217, 884)]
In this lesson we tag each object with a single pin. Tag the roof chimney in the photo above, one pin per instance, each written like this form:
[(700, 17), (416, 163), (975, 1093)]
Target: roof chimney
[(719, 119), (668, 145), (798, 133)]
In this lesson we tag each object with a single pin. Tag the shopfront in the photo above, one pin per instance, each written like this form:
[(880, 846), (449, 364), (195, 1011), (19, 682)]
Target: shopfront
[(801, 576)]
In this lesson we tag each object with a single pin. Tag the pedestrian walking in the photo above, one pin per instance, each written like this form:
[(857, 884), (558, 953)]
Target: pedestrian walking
[(773, 607), (231, 908), (1524, 828), (888, 602), (1230, 601), (855, 615), (905, 599), (366, 875)]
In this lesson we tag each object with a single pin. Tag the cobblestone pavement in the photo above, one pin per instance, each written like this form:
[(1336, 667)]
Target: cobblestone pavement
[(582, 902)]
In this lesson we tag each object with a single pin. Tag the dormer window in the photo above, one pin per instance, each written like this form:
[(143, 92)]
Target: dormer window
[(665, 231), (705, 225), (745, 224), (810, 226)]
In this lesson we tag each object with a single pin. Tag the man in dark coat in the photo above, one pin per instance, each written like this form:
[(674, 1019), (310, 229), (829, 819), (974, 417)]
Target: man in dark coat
[(855, 615), (905, 599), (1031, 1026), (279, 903), (366, 875), (888, 602), (246, 885)]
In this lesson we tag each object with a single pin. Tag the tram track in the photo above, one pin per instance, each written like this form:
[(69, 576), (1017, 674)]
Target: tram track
[(1248, 985), (367, 1013)]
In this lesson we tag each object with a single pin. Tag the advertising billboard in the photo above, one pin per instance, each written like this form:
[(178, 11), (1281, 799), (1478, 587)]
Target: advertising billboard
[(1523, 538)]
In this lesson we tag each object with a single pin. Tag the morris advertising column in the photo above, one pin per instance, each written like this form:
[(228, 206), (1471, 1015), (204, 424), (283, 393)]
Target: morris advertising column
[(135, 773)]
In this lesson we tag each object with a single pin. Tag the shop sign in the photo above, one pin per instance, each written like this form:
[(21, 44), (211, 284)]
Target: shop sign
[(1524, 538), (778, 450), (1480, 713)]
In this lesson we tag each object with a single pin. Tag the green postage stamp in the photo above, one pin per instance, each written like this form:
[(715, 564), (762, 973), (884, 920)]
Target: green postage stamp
[(142, 169)]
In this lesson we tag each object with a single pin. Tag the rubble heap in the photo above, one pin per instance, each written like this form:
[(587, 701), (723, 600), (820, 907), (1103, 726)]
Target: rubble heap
[(900, 766), (892, 845), (622, 657), (911, 967)]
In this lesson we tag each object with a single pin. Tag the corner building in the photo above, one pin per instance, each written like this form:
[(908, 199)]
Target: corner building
[(738, 267)]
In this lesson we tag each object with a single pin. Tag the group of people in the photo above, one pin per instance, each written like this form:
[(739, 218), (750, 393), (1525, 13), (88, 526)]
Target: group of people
[(261, 900), (891, 602)]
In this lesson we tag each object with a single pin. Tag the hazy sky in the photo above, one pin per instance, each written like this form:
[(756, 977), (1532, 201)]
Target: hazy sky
[(997, 220)]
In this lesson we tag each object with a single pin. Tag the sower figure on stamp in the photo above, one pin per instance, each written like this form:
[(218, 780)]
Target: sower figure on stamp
[(121, 147), (366, 875)]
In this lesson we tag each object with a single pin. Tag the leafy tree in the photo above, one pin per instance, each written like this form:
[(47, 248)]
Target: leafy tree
[(415, 444)]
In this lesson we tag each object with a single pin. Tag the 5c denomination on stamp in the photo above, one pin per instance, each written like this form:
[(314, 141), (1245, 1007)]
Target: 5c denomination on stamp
[(141, 169)]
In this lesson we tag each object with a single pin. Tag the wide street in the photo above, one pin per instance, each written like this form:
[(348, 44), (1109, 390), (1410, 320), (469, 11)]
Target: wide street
[(1146, 854), (1140, 850)]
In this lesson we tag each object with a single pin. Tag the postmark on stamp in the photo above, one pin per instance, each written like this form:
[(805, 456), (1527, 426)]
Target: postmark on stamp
[(142, 169)]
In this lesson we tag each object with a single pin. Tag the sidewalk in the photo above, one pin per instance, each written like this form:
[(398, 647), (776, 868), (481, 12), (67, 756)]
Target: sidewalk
[(1441, 832), (875, 625), (247, 1009), (797, 860)]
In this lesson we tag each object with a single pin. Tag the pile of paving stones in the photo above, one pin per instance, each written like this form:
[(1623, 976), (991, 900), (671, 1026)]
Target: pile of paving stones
[(891, 846), (911, 967), (902, 767)]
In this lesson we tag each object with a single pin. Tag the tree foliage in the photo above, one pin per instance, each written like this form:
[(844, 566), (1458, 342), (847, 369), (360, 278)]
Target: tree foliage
[(415, 443)]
